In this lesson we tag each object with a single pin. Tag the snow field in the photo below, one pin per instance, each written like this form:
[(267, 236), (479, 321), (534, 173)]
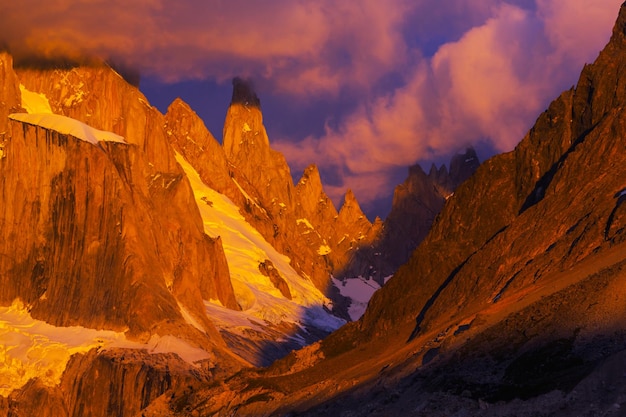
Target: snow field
[(245, 249), (32, 348)]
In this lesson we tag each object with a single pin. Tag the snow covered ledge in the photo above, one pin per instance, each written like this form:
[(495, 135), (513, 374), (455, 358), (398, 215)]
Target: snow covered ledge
[(68, 126)]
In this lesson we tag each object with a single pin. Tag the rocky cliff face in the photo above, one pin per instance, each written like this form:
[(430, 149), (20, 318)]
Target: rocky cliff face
[(103, 234), (74, 215), (526, 209), (102, 99), (9, 92)]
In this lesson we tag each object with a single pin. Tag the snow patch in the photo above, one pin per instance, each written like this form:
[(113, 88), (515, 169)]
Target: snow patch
[(35, 349), (359, 290), (305, 222), (34, 102), (68, 126), (245, 194), (324, 250), (190, 319), (77, 97)]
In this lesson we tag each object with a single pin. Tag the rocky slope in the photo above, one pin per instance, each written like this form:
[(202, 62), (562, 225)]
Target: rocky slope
[(514, 302)]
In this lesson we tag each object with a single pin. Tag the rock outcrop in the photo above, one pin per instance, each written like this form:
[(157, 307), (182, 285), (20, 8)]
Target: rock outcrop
[(10, 100), (118, 382)]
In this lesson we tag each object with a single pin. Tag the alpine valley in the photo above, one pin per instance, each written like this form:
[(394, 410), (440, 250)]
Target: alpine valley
[(148, 269)]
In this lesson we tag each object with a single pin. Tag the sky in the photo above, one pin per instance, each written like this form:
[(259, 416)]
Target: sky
[(363, 89)]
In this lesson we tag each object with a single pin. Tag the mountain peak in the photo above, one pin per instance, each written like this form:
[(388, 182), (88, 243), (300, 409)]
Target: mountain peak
[(311, 178), (350, 211), (350, 198), (178, 102), (463, 165)]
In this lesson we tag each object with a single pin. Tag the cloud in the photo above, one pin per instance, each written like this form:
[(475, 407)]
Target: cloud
[(300, 47), (487, 86)]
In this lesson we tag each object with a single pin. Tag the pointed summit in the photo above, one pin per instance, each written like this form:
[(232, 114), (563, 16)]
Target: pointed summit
[(309, 191), (351, 214), (350, 202), (245, 139), (313, 204)]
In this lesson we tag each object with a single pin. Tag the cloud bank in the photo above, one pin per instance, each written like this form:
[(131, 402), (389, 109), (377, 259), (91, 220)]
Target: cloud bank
[(488, 86), (426, 78)]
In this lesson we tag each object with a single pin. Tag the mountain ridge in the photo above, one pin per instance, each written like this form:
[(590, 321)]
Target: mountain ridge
[(515, 272), (511, 302)]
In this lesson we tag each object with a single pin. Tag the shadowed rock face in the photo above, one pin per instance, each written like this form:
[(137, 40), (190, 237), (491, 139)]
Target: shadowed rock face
[(543, 206), (267, 268)]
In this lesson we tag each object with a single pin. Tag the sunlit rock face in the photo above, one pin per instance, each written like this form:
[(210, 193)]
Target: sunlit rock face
[(189, 136), (82, 242), (101, 230), (104, 234), (10, 101), (337, 235), (247, 148), (118, 382)]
